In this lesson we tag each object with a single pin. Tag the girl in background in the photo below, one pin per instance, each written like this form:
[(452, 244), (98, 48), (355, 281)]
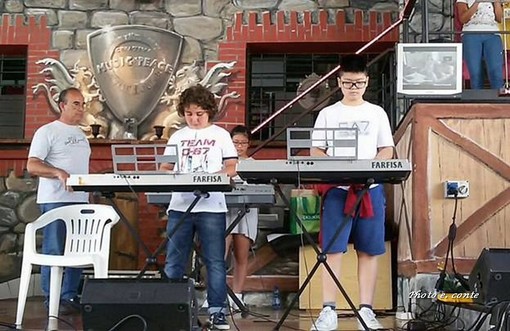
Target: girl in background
[(481, 40), (244, 234)]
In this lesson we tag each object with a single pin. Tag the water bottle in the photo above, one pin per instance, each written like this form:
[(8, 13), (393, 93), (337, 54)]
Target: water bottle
[(190, 164), (277, 300)]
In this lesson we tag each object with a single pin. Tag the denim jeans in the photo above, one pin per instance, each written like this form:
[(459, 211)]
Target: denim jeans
[(53, 243), (210, 228), (479, 46)]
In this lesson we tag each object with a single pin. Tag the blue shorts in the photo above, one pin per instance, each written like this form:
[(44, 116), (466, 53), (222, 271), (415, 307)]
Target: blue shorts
[(366, 233)]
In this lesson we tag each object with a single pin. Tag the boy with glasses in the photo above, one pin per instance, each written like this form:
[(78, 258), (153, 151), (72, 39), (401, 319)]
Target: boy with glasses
[(375, 141)]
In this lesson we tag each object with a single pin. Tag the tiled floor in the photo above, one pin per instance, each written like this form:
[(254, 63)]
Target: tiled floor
[(261, 319)]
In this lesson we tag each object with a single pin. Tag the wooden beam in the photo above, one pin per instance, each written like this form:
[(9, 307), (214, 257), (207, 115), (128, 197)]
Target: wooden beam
[(412, 268), (467, 145), (469, 110), (404, 124), (266, 283), (420, 241), (474, 221), (264, 256)]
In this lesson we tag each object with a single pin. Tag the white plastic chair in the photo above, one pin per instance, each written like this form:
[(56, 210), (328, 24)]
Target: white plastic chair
[(87, 243)]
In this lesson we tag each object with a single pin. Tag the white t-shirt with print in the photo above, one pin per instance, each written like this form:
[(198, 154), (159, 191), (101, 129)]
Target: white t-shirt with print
[(483, 19), (62, 146), (370, 120), (202, 150)]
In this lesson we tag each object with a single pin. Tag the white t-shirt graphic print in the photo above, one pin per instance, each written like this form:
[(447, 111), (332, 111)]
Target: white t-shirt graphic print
[(369, 120), (483, 19), (65, 147), (202, 150)]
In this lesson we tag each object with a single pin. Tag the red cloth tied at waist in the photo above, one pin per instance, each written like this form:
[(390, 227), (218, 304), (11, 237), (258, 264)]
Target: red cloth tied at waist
[(366, 209)]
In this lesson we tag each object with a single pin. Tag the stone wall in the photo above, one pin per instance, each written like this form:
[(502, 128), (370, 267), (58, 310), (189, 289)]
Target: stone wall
[(202, 22), (439, 17), (17, 209)]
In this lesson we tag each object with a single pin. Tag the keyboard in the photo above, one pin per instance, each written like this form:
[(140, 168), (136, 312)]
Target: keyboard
[(155, 182), (241, 195), (315, 171)]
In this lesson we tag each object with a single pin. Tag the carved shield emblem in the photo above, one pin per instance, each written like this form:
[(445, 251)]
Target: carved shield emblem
[(133, 65)]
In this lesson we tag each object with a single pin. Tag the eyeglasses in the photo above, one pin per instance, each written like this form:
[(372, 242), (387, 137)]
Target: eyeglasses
[(350, 85), (243, 143)]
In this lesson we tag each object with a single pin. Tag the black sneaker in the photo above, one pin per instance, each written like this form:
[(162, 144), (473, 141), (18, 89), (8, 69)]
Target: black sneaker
[(218, 321), (69, 307), (66, 306)]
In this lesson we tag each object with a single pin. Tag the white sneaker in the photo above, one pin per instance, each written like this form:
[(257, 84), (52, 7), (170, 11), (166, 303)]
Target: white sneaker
[(369, 317), (327, 320)]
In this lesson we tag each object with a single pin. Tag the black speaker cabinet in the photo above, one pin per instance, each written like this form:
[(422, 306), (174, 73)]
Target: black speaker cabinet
[(126, 304), (490, 277)]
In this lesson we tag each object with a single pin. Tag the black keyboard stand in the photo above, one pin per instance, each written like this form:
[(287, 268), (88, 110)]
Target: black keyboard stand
[(322, 257), (152, 257), (242, 307)]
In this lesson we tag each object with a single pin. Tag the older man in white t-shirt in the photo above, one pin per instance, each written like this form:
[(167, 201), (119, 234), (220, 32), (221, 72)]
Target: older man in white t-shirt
[(58, 149)]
